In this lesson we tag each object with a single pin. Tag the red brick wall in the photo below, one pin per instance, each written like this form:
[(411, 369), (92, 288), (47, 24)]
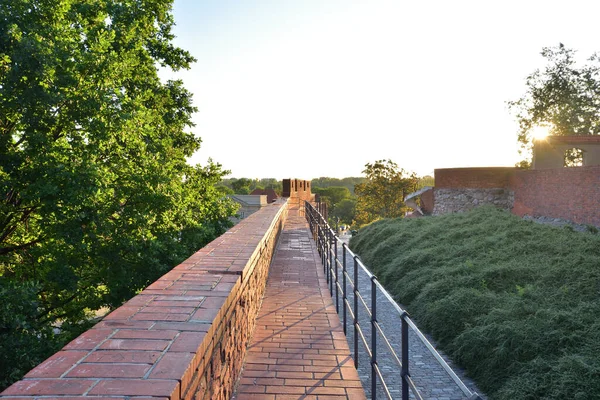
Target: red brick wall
[(427, 201), (297, 190), (568, 193), (183, 337), (475, 178)]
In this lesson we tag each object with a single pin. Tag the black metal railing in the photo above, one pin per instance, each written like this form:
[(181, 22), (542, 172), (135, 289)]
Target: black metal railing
[(327, 245)]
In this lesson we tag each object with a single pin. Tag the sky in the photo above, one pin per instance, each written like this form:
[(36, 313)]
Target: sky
[(311, 88)]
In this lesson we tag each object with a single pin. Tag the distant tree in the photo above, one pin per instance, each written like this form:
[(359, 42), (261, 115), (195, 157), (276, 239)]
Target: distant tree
[(345, 210), (426, 180), (325, 182), (97, 199), (563, 98), (241, 186), (382, 194), (271, 183), (332, 195)]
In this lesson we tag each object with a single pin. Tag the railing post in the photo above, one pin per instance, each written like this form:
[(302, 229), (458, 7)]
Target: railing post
[(373, 337), (319, 239), (325, 253), (356, 311), (335, 262), (331, 260), (404, 371), (344, 296)]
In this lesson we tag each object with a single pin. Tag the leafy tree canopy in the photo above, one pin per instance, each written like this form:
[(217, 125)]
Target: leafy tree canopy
[(247, 185), (382, 194), (324, 182), (97, 199), (563, 97), (345, 211), (332, 195)]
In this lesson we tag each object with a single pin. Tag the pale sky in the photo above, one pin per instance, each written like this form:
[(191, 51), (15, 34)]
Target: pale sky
[(310, 88)]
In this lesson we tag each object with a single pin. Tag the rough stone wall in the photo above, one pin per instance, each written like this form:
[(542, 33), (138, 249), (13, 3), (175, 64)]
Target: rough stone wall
[(183, 337), (464, 199)]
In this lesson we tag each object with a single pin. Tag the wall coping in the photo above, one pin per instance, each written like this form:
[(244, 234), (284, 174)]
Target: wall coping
[(156, 343)]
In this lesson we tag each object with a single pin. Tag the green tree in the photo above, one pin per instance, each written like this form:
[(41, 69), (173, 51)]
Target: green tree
[(97, 198), (271, 183), (325, 182), (332, 195), (241, 186), (563, 98), (382, 194), (345, 210)]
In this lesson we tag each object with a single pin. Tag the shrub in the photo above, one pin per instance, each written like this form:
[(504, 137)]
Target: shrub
[(515, 303)]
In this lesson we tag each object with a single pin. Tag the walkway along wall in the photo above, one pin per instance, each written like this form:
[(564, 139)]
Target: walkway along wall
[(183, 337), (570, 193)]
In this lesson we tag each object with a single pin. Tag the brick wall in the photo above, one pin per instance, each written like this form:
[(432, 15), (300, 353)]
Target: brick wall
[(183, 337), (568, 193), (475, 178), (572, 194), (427, 202), (297, 190)]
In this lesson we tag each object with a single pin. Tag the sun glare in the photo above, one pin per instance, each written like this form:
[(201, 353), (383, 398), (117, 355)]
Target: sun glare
[(540, 132)]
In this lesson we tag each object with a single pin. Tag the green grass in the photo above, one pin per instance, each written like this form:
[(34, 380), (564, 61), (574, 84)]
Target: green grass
[(515, 303)]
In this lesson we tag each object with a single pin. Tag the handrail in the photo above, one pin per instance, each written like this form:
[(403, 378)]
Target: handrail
[(327, 246)]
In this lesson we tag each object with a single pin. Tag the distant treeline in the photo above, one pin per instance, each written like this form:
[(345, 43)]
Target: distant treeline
[(325, 182)]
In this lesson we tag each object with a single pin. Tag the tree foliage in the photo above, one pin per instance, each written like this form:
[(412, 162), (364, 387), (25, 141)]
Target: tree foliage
[(332, 195), (345, 211), (247, 185), (97, 197), (382, 194), (563, 97), (348, 182)]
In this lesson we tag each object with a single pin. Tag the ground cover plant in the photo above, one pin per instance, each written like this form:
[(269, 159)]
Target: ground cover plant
[(514, 302)]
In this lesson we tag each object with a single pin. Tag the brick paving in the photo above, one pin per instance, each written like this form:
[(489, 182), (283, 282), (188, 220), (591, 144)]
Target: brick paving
[(298, 350)]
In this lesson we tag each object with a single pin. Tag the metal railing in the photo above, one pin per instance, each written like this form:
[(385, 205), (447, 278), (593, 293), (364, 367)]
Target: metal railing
[(327, 245)]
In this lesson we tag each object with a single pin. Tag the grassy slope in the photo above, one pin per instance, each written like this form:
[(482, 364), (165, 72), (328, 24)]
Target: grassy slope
[(514, 302)]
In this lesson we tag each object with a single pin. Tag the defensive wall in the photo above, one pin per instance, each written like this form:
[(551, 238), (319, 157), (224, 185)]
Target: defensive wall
[(571, 193), (185, 336), (297, 190)]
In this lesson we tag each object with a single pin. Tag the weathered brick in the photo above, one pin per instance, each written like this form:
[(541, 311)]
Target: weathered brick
[(179, 366), (123, 356), (135, 344), (137, 387), (89, 340), (113, 370), (57, 364), (145, 334), (42, 387), (188, 342)]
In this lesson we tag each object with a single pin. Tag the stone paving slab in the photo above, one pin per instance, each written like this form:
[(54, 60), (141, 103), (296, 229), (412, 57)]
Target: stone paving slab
[(298, 350)]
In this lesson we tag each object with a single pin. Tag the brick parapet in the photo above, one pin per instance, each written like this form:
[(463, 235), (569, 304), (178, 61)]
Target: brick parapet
[(297, 190), (473, 178), (572, 194), (183, 337)]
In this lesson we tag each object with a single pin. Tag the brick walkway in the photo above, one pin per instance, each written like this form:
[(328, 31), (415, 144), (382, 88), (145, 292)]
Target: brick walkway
[(298, 350)]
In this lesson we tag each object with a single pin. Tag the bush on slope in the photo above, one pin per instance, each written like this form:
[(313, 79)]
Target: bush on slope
[(516, 303)]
